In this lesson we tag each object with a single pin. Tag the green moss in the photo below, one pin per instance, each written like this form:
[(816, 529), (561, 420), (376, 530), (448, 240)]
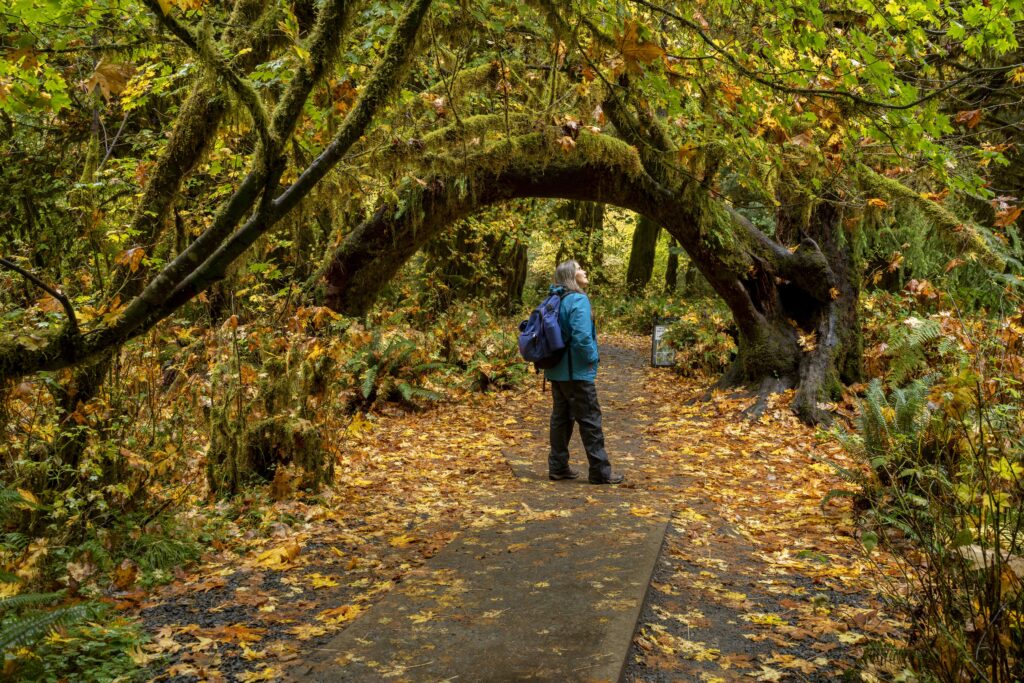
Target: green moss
[(961, 235)]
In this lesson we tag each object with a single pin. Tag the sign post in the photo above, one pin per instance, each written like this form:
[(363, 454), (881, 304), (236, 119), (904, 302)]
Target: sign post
[(662, 355)]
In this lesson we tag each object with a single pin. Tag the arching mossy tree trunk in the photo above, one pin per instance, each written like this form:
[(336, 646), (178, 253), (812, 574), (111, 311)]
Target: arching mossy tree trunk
[(641, 255), (763, 282)]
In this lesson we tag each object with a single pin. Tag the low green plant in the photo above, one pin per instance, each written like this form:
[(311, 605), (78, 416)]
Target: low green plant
[(389, 368), (94, 652), (702, 340)]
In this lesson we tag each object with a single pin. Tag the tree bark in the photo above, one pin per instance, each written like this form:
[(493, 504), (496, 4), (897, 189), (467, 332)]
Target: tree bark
[(672, 268), (641, 255)]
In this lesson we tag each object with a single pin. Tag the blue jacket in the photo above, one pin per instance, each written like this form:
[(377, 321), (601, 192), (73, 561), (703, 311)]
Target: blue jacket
[(577, 323)]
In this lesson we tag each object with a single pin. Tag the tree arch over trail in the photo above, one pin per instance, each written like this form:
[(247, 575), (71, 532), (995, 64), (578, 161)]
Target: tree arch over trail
[(776, 295)]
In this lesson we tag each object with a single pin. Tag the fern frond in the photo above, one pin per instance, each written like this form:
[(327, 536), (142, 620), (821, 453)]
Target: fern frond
[(369, 381), (16, 602), (35, 626)]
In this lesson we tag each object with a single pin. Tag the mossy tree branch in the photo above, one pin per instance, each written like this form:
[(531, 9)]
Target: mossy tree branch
[(197, 267), (959, 234)]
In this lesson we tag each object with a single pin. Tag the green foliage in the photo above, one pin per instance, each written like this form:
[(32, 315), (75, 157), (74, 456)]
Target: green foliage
[(92, 653), (701, 337), (389, 368)]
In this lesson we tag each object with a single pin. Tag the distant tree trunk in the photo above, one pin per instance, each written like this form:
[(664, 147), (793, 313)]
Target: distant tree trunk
[(514, 265), (672, 270), (590, 223), (641, 256)]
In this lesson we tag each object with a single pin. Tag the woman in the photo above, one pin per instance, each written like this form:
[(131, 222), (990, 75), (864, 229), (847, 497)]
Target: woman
[(574, 398)]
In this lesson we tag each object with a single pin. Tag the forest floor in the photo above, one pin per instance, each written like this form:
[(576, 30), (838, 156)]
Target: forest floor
[(757, 580)]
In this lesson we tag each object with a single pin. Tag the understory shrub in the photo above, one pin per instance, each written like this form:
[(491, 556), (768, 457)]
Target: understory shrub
[(945, 498)]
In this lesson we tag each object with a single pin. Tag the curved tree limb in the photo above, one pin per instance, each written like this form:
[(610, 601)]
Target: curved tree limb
[(72, 324), (960, 234)]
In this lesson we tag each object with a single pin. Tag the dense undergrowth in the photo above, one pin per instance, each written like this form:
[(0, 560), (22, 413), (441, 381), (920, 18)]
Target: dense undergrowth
[(940, 433)]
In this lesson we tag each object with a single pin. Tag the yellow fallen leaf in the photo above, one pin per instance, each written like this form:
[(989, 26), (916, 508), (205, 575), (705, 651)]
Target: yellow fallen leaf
[(421, 618), (642, 511), (269, 673), (401, 541), (279, 557), (339, 615), (850, 638), (307, 631), (764, 618), (318, 580)]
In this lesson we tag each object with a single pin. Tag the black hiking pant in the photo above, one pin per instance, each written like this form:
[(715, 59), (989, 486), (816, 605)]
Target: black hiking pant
[(576, 401)]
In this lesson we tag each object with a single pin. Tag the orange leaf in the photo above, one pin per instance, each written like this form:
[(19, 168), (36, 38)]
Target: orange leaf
[(109, 78), (634, 50), (970, 118), (880, 203), (1006, 217)]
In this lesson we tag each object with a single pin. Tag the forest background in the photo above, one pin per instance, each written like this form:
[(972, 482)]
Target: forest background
[(232, 231)]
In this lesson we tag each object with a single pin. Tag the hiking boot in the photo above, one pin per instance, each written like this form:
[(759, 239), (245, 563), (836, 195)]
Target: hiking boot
[(568, 474), (610, 479)]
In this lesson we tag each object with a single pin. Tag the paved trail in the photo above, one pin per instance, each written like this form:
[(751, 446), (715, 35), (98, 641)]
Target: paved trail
[(444, 553)]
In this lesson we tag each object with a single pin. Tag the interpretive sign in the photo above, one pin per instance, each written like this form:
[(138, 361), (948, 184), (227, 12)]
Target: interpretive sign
[(662, 355)]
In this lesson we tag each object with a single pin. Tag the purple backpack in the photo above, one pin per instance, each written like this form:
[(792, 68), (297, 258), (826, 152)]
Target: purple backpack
[(540, 337)]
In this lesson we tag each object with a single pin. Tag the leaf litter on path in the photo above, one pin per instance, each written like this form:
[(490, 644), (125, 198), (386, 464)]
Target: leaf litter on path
[(757, 581)]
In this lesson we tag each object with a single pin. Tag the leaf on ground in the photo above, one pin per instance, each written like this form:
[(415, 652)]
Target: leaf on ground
[(279, 557), (340, 615)]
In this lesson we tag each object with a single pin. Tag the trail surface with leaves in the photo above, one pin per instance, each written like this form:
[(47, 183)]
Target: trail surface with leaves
[(757, 579)]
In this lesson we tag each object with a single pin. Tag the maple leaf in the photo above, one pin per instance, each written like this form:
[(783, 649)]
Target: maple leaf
[(131, 258), (125, 574), (421, 618), (634, 50), (111, 79), (1008, 216), (970, 118), (339, 615), (279, 557), (402, 541), (317, 580), (269, 673), (307, 631)]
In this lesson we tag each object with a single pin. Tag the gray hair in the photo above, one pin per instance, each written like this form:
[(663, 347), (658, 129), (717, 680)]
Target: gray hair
[(565, 275)]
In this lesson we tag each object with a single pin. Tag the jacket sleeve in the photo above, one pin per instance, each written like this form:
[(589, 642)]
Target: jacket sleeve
[(582, 327)]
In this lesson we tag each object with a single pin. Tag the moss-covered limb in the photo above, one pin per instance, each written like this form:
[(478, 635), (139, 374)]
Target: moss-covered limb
[(198, 120), (599, 169), (385, 79), (387, 76), (443, 144), (653, 146), (204, 48), (323, 45), (961, 235)]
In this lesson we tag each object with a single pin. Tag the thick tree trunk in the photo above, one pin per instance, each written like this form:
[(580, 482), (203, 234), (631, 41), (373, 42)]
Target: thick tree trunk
[(641, 255)]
